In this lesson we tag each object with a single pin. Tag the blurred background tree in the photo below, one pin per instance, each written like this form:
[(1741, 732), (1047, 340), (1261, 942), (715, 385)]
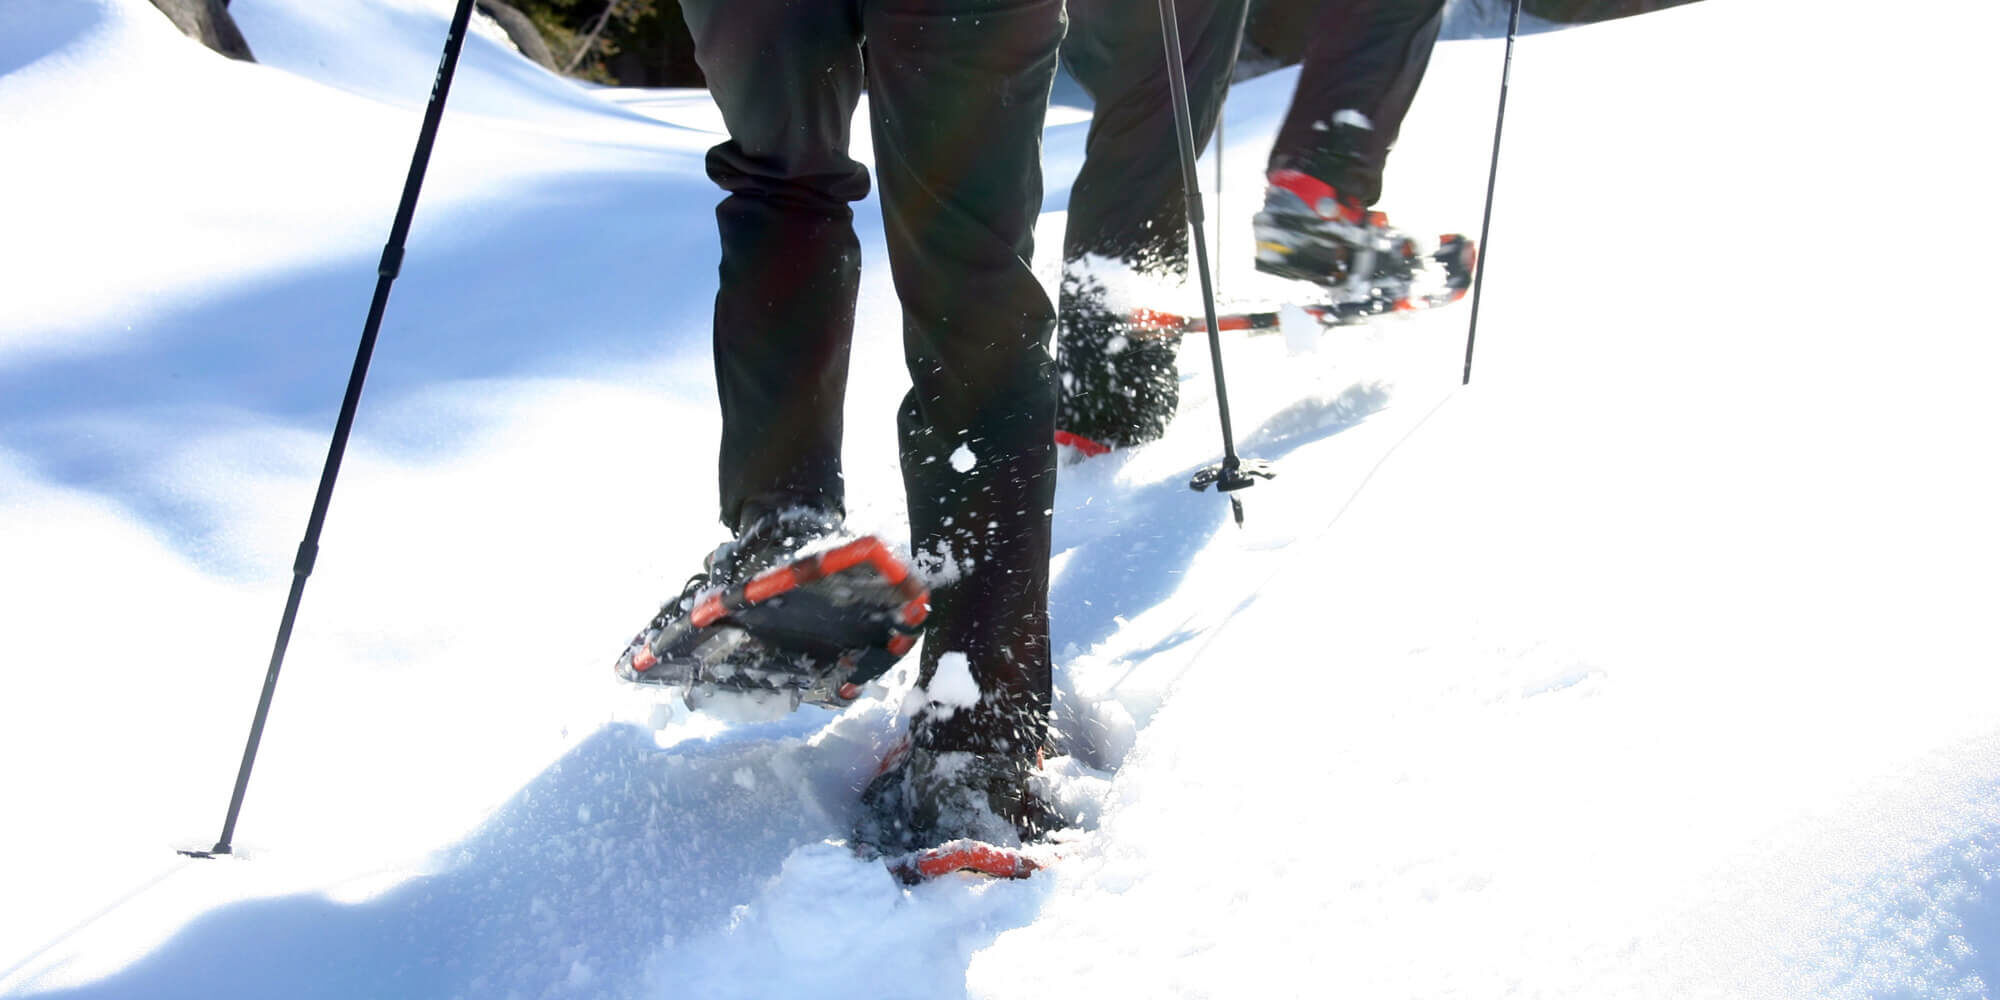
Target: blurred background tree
[(645, 43), (634, 43), (1277, 31)]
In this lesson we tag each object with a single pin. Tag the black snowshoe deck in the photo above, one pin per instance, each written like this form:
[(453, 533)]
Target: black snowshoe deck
[(816, 628)]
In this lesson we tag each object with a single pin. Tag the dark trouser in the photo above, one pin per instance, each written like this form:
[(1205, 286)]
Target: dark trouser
[(1121, 385), (1127, 202), (958, 90), (1366, 56)]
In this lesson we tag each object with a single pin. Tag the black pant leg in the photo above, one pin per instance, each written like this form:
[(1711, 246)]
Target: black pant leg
[(1366, 56), (959, 91), (1127, 203), (786, 76)]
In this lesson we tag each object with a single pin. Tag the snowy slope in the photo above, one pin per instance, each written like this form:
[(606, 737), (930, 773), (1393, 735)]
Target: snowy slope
[(1657, 662)]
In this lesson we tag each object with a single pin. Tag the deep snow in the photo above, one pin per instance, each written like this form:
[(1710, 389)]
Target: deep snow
[(1657, 662)]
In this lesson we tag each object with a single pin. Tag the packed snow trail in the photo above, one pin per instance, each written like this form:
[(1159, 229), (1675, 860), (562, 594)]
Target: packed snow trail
[(1655, 663)]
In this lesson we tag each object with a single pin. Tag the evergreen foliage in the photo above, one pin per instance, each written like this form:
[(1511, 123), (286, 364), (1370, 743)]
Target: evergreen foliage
[(586, 35)]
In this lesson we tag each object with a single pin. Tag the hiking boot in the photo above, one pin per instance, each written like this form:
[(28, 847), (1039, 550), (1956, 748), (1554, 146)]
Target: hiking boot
[(923, 798), (1117, 356)]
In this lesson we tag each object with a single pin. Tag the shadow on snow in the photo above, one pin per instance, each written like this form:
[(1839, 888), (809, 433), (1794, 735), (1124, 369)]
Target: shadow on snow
[(475, 301), (622, 869), (1130, 555)]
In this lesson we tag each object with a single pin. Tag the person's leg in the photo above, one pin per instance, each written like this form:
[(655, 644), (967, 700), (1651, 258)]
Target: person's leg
[(1126, 244), (1360, 74), (1127, 203), (786, 76), (958, 91)]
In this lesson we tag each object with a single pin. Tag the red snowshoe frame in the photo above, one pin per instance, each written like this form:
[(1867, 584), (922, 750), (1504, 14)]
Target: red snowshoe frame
[(820, 627)]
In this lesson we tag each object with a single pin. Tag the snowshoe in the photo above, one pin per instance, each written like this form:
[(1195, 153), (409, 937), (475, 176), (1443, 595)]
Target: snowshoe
[(1308, 231), (795, 608), (930, 813)]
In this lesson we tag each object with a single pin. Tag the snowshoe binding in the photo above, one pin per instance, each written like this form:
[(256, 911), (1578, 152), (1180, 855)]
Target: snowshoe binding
[(931, 813), (1309, 231), (794, 608)]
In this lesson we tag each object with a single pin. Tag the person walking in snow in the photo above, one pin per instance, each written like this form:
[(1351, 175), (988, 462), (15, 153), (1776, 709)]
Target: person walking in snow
[(1125, 252), (1125, 246), (958, 92), (1360, 73)]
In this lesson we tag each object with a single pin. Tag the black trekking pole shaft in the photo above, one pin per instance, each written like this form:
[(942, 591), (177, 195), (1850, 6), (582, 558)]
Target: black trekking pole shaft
[(1219, 190), (1492, 175), (1184, 131), (391, 265)]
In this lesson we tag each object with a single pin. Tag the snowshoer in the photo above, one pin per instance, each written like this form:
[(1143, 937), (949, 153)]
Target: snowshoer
[(1125, 248), (1124, 304), (1360, 73), (796, 604)]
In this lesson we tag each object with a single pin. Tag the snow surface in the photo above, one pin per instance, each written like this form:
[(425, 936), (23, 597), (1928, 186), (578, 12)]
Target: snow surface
[(1658, 662)]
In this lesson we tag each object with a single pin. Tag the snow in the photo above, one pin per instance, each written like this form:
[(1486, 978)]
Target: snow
[(952, 684), (1657, 662)]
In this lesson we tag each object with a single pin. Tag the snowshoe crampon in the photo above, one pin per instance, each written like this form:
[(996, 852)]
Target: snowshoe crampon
[(812, 630)]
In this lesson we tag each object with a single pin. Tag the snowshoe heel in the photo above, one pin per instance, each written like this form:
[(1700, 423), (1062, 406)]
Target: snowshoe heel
[(817, 627)]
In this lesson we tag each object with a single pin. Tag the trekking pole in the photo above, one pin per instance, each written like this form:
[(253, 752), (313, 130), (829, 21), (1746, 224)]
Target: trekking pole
[(391, 265), (1492, 174), (1220, 191), (1232, 473)]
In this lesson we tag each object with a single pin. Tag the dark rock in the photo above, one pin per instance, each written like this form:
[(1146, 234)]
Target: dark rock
[(208, 22)]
